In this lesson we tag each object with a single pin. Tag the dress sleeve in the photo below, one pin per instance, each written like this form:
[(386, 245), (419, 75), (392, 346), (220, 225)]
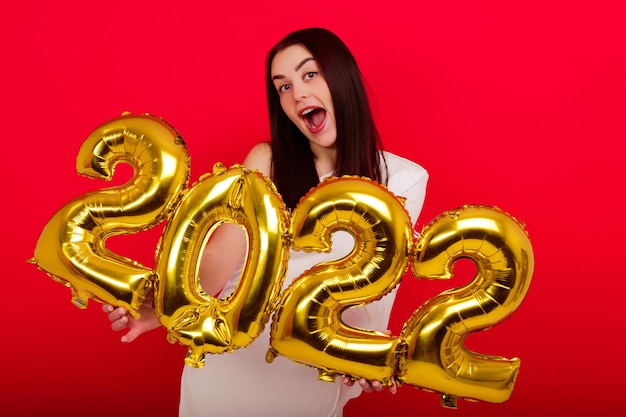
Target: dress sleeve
[(413, 189)]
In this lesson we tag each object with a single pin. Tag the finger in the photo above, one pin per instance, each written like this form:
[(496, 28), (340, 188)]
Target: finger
[(393, 388), (377, 386), (365, 385), (131, 335), (107, 308), (117, 314), (120, 324), (348, 381)]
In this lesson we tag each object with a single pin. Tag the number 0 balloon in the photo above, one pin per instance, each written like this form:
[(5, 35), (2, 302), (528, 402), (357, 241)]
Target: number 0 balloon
[(204, 323)]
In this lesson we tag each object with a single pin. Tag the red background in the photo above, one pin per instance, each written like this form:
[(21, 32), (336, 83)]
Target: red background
[(517, 104)]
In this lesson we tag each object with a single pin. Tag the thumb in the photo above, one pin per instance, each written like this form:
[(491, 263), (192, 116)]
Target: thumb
[(131, 335)]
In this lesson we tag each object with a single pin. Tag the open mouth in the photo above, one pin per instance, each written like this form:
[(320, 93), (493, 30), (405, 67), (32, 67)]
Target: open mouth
[(314, 118)]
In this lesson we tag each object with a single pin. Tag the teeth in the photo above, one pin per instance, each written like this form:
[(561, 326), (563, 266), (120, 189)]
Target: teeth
[(307, 111)]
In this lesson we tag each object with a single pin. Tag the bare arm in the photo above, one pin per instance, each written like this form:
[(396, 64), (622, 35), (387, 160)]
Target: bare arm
[(227, 245)]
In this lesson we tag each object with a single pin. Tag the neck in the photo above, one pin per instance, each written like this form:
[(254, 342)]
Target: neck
[(325, 160), (324, 166)]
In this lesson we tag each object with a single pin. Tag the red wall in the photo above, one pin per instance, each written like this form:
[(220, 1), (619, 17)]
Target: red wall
[(517, 104)]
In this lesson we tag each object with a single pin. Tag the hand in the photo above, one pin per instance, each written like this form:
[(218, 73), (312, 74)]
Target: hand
[(371, 386), (120, 320)]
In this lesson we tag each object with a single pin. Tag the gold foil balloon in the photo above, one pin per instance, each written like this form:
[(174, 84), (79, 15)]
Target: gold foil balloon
[(307, 327), (71, 248), (433, 353), (208, 324)]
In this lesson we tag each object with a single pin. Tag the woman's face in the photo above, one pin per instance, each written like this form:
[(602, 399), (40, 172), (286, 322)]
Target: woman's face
[(304, 95)]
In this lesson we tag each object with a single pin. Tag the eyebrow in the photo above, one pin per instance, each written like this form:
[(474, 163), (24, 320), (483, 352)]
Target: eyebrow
[(300, 65)]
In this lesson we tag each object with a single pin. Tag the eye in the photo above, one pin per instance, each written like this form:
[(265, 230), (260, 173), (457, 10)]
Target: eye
[(310, 74), (283, 88)]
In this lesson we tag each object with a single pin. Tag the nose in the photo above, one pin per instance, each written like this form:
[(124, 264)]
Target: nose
[(300, 90)]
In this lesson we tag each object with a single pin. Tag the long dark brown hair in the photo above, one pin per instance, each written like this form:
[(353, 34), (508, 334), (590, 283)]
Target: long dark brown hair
[(358, 142)]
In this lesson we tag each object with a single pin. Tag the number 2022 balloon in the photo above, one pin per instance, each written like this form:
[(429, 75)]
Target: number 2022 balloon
[(307, 325)]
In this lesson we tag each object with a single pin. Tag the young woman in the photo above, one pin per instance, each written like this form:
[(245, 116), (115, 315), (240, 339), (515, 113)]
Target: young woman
[(321, 125)]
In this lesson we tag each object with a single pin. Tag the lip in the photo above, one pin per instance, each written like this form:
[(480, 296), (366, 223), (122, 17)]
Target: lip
[(307, 121), (303, 110)]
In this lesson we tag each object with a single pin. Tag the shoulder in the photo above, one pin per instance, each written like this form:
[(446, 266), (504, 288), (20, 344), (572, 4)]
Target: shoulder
[(407, 180), (259, 157), (402, 170)]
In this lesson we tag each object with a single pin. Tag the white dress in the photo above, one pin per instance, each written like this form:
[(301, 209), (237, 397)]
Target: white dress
[(242, 383)]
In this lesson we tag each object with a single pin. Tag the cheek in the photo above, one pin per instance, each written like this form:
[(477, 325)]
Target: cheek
[(289, 110), (328, 102)]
